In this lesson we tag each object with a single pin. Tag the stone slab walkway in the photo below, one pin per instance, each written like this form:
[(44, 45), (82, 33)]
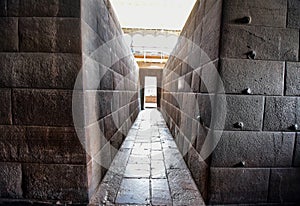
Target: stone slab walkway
[(148, 169)]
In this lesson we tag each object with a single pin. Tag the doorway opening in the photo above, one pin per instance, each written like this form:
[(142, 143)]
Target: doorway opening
[(150, 94)]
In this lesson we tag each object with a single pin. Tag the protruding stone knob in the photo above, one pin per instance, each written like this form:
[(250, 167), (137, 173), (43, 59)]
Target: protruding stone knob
[(244, 20), (240, 164), (239, 125), (294, 127), (251, 55), (247, 91)]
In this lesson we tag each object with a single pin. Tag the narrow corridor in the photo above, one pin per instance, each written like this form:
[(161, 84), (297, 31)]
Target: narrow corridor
[(148, 169)]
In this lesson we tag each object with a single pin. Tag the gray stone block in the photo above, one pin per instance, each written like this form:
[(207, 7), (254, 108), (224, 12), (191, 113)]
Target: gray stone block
[(44, 8), (268, 43), (11, 180), (284, 185), (256, 149), (5, 109), (292, 82), (42, 107), (55, 182), (9, 41), (262, 77), (40, 70), (3, 8), (263, 13), (245, 109), (281, 113), (296, 162), (293, 14), (235, 185), (50, 35)]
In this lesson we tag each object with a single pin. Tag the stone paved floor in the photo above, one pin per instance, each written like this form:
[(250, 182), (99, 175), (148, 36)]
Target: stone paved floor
[(148, 169)]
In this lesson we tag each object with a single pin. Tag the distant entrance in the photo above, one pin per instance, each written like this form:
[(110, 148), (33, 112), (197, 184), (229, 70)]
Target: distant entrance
[(150, 100)]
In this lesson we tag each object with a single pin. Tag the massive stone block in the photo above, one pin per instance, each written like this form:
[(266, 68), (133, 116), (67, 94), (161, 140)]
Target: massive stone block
[(5, 109), (281, 113), (263, 13), (40, 70), (44, 8), (41, 107), (55, 182), (297, 152), (10, 180), (235, 185), (293, 14), (50, 35), (268, 43), (256, 149), (262, 77), (292, 86), (9, 41), (284, 185)]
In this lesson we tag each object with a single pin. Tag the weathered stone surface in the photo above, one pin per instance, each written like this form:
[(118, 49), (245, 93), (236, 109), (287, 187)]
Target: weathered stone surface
[(41, 107), (296, 162), (284, 185), (38, 8), (268, 43), (9, 40), (3, 8), (5, 109), (50, 35), (40, 70), (262, 77), (234, 185), (55, 182), (245, 109), (281, 113), (263, 13), (292, 78), (256, 149), (293, 13), (10, 180)]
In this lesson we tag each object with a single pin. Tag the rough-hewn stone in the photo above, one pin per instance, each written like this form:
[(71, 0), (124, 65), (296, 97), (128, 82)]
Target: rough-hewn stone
[(268, 43), (262, 77), (9, 41), (263, 13), (281, 113), (5, 109), (293, 13), (296, 162), (41, 107), (11, 180), (49, 35), (284, 185), (256, 149), (235, 185), (55, 182), (292, 86)]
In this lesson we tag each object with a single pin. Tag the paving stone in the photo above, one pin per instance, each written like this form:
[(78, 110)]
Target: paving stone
[(5, 109), (292, 83), (11, 180), (293, 14), (58, 8), (262, 77), (40, 107), (9, 30), (137, 171), (267, 13), (134, 191), (256, 149), (238, 41), (55, 182), (235, 185), (284, 185), (50, 35), (158, 170), (160, 194), (281, 113)]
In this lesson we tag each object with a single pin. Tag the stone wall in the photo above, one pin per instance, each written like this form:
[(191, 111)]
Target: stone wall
[(110, 86), (256, 158), (43, 46)]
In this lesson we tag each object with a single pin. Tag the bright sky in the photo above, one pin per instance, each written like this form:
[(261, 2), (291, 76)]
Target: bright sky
[(153, 14)]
